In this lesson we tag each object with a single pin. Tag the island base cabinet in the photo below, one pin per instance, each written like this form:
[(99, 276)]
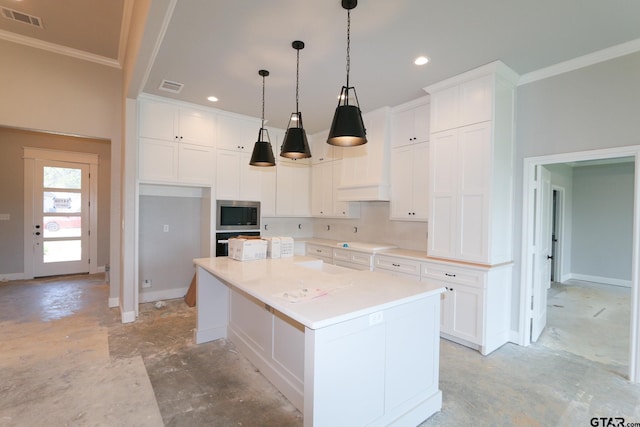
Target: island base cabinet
[(376, 370)]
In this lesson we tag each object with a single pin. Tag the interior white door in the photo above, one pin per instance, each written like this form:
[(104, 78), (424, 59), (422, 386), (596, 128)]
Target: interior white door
[(542, 260), (60, 218)]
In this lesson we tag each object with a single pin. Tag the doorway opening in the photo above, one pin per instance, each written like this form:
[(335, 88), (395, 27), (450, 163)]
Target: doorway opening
[(536, 261)]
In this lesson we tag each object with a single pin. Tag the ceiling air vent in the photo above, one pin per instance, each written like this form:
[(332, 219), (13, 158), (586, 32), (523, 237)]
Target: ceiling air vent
[(170, 86), (14, 15)]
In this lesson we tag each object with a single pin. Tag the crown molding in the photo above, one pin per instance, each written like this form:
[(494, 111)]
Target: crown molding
[(581, 62), (56, 48)]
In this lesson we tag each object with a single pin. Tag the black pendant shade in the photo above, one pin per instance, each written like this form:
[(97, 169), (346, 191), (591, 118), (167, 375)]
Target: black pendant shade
[(347, 127), (262, 154), (295, 144)]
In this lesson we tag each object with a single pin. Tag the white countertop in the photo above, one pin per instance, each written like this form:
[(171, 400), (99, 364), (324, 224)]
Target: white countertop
[(368, 247), (316, 294)]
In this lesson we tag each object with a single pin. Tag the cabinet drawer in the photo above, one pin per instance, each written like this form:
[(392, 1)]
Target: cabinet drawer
[(319, 251), (399, 265), (352, 257), (454, 274)]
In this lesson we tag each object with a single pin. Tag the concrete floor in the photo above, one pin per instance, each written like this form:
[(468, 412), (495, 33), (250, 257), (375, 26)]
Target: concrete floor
[(67, 360)]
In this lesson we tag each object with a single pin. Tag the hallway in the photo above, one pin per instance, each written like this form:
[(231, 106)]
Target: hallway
[(67, 360)]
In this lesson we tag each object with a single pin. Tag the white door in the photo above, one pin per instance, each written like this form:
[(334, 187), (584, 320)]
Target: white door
[(60, 231), (542, 260)]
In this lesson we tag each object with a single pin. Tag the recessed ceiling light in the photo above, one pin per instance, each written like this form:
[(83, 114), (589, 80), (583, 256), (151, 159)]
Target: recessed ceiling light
[(212, 99), (421, 60)]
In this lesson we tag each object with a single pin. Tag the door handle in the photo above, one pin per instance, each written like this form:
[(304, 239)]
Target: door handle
[(549, 257)]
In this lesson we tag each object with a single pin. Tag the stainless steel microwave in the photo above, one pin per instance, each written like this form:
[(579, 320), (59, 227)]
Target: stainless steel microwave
[(237, 215)]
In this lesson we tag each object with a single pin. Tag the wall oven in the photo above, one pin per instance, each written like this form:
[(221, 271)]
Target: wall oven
[(234, 218)]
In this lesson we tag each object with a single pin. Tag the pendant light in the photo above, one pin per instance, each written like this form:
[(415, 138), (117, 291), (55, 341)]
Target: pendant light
[(347, 128), (262, 152), (295, 145)]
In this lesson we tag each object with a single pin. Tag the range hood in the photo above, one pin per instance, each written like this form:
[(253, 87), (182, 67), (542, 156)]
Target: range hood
[(364, 174)]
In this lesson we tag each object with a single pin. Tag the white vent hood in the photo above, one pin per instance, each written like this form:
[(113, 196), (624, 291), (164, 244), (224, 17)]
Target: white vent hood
[(365, 168)]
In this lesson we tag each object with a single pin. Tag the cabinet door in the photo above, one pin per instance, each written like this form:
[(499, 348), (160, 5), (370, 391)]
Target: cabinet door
[(195, 164), (467, 313), (250, 179), (158, 120), (421, 123), (237, 134), (319, 176), (402, 128), (475, 101), (158, 160), (197, 127), (320, 150), (292, 189), (473, 182), (342, 209), (420, 189), (227, 175), (444, 109), (268, 192), (401, 206), (443, 164)]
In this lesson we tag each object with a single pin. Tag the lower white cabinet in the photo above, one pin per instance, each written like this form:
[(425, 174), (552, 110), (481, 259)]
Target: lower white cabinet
[(170, 162), (352, 259), (324, 253), (475, 309), (398, 266)]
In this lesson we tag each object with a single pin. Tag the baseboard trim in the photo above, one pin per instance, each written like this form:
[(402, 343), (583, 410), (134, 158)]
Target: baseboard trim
[(128, 316), (603, 280), (152, 296), (13, 276), (114, 302)]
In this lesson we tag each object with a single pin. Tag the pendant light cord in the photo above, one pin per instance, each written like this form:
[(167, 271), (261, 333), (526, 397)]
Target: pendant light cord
[(348, 50), (262, 125), (297, 77)]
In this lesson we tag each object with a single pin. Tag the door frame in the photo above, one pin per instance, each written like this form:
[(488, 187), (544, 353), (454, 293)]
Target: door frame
[(30, 155), (526, 287)]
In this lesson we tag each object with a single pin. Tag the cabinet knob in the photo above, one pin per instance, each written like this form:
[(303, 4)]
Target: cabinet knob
[(395, 265), (449, 274)]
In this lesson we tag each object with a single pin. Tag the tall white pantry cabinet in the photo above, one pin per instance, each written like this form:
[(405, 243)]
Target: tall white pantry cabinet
[(471, 199)]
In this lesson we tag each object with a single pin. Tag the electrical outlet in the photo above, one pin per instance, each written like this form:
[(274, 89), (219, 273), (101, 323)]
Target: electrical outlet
[(5, 217), (146, 283), (165, 228)]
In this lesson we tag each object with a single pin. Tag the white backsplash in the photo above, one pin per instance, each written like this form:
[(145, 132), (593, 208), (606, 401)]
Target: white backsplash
[(373, 226)]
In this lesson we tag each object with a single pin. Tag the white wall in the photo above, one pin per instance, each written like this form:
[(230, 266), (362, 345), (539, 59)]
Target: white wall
[(49, 92), (603, 223), (591, 108)]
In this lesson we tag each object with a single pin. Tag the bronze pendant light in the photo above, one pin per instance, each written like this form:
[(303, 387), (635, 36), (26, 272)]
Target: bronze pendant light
[(295, 145), (262, 154), (347, 128)]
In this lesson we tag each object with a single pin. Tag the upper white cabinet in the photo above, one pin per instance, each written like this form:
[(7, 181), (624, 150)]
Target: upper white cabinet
[(324, 179), (365, 168), (292, 188), (235, 178), (170, 122), (237, 133), (321, 151), (471, 166), (410, 123), (175, 143), (409, 182), (463, 104)]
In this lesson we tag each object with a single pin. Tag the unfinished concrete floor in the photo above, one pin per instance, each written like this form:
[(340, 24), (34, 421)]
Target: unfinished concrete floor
[(67, 360)]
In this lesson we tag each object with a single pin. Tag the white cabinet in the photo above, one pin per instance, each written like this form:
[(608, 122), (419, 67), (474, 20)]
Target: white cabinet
[(170, 122), (292, 188), (397, 266), (365, 168), (353, 259), (175, 144), (235, 178), (475, 309), (237, 133), (324, 203), (410, 123), (321, 151), (324, 253), (471, 166), (409, 182)]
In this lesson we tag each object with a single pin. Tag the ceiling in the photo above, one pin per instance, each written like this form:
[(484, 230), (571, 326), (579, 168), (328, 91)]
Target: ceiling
[(216, 47)]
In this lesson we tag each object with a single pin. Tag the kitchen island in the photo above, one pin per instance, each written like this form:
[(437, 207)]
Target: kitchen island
[(346, 347)]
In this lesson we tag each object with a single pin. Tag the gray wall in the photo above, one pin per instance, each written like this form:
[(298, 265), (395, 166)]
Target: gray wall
[(167, 258), (12, 190), (603, 221), (591, 108)]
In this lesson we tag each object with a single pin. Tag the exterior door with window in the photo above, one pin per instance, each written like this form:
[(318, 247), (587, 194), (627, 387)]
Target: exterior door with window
[(60, 212)]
